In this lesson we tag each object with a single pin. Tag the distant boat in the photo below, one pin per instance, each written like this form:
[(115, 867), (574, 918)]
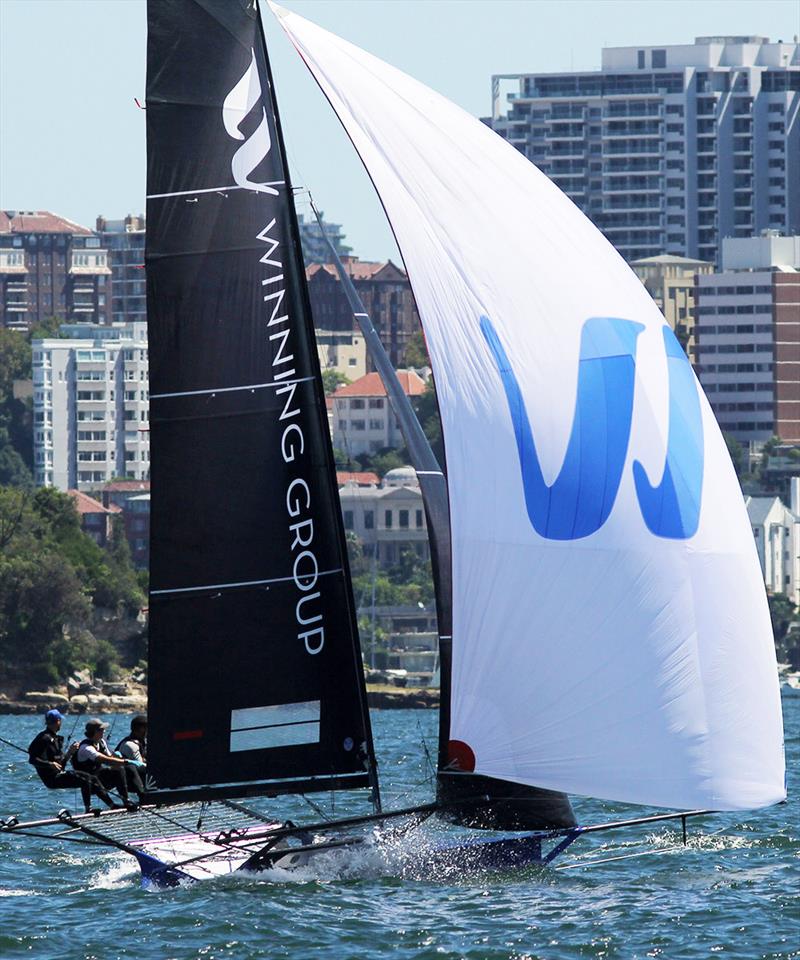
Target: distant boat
[(603, 625)]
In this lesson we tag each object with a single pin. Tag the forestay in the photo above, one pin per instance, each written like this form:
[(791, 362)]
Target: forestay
[(255, 669), (610, 627)]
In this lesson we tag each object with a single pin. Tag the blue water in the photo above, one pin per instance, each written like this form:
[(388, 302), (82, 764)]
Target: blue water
[(732, 892)]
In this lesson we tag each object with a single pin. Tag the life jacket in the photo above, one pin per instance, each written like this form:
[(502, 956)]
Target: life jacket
[(87, 766)]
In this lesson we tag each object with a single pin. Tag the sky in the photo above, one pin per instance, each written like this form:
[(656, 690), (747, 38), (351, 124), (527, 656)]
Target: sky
[(72, 139)]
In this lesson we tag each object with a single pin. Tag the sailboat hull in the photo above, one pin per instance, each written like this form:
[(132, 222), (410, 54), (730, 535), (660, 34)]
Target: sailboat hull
[(486, 803)]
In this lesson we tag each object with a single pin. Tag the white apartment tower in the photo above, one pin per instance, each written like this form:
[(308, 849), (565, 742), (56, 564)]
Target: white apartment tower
[(669, 149), (90, 406)]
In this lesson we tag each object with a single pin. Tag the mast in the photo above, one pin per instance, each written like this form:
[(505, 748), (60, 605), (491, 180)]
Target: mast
[(256, 680)]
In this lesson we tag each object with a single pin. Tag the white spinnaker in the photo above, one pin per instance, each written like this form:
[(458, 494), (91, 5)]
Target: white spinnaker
[(620, 665)]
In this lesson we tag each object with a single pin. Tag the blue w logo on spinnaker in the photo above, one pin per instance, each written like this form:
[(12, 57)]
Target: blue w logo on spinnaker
[(580, 499)]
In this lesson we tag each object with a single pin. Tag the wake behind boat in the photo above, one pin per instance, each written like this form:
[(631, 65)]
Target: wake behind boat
[(603, 626)]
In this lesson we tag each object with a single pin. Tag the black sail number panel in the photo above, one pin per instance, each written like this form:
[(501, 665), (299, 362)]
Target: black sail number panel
[(254, 663)]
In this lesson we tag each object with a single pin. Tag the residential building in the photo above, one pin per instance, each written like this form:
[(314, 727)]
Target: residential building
[(747, 335), (344, 351), (90, 406), (411, 644), (389, 518), (118, 492), (136, 512), (670, 282), (776, 531), (671, 148), (385, 292), (96, 519), (363, 421), (124, 240), (364, 478), (315, 246), (50, 266)]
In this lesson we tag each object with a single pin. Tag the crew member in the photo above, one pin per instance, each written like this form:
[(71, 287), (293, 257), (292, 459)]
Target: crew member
[(133, 746), (94, 757), (47, 755)]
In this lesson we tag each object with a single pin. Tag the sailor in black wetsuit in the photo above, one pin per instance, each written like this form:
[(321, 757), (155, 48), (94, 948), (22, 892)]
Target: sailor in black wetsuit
[(94, 757), (47, 755), (133, 747)]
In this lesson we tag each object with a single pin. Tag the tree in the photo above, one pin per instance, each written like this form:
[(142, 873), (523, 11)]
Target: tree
[(416, 352), (737, 454), (48, 328), (427, 410), (332, 380)]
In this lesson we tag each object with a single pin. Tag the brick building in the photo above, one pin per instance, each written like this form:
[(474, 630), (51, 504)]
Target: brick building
[(748, 338), (387, 297), (50, 266)]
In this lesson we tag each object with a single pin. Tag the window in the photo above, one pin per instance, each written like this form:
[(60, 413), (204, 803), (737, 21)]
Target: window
[(348, 519), (640, 59), (419, 518), (369, 520), (376, 424), (387, 519), (357, 404), (358, 424), (376, 403), (658, 59), (404, 519)]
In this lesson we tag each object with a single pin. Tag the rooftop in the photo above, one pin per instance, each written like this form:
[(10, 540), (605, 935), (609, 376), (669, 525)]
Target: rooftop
[(357, 269), (371, 385), (38, 221), (86, 504)]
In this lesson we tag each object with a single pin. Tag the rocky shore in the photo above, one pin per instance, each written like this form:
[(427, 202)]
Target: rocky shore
[(85, 694)]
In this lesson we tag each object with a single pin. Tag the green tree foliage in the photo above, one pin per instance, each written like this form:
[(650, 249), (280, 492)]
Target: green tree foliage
[(332, 380), (16, 441), (785, 628), (737, 454), (416, 353), (51, 574), (428, 413)]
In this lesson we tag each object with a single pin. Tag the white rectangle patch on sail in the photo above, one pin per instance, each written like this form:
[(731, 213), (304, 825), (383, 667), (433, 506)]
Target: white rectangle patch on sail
[(279, 725)]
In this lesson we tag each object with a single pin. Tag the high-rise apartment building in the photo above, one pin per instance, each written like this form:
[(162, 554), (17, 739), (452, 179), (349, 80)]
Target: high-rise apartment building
[(313, 242), (51, 267), (747, 335), (124, 240), (669, 149), (90, 406)]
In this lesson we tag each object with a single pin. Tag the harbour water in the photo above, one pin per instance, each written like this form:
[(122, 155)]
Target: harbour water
[(733, 891)]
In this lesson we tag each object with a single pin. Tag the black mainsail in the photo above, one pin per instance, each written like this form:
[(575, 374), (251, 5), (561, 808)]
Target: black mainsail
[(255, 668)]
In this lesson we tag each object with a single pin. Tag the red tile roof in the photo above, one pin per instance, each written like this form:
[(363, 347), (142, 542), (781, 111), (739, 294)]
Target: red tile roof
[(362, 479), (121, 485), (38, 221), (358, 269), (372, 386), (85, 504)]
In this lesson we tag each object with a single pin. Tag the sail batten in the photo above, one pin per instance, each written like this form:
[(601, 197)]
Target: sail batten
[(255, 670), (610, 629)]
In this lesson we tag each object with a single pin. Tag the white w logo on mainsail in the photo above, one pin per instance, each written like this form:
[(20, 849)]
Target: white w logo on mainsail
[(239, 102)]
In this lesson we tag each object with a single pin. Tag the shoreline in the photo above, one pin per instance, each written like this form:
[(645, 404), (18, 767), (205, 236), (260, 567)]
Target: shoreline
[(379, 697)]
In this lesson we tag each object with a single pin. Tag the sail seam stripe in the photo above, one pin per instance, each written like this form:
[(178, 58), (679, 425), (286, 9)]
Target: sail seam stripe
[(243, 583), (246, 386), (191, 193)]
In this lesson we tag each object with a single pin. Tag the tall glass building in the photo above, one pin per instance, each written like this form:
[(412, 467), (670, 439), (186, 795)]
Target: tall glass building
[(668, 149)]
